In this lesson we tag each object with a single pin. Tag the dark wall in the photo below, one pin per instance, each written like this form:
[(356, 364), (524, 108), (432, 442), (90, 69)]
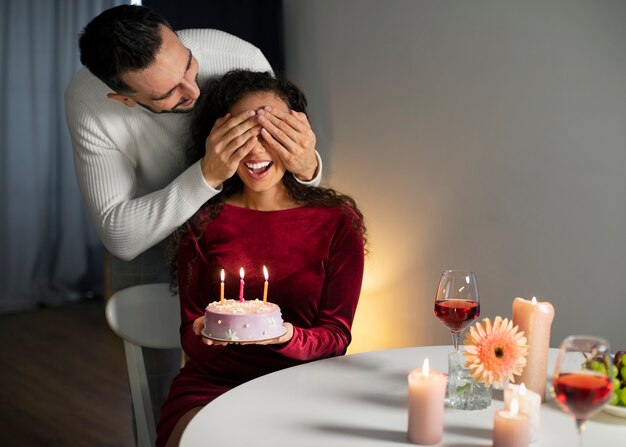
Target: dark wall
[(260, 22)]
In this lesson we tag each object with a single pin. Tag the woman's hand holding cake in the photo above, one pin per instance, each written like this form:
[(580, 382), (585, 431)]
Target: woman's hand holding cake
[(198, 325)]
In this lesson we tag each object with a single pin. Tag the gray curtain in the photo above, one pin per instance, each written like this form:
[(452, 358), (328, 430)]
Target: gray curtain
[(49, 253)]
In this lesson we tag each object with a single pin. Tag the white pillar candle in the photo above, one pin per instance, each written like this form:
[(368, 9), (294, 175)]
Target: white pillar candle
[(510, 429), (535, 319), (529, 404), (427, 392)]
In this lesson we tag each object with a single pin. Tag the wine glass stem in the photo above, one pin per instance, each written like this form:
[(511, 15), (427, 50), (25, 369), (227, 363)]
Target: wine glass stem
[(580, 425), (455, 340)]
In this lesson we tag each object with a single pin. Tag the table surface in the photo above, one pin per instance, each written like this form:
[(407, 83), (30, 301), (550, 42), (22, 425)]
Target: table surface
[(361, 400)]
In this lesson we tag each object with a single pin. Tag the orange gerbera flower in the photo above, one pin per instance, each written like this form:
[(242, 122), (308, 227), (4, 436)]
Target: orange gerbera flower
[(495, 352)]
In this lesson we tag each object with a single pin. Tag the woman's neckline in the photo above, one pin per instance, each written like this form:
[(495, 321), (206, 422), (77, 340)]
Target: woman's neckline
[(273, 202), (240, 207)]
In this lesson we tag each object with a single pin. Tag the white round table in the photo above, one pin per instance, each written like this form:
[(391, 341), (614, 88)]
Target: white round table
[(361, 400)]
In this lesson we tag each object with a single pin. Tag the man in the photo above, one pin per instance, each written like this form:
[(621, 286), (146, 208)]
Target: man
[(128, 115)]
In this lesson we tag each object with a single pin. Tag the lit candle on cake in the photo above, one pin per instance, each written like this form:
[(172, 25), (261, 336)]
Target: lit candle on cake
[(510, 429), (265, 286), (222, 287), (427, 391), (535, 320), (529, 404), (241, 283)]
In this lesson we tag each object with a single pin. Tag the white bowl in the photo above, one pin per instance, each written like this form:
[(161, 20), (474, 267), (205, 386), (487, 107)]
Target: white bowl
[(615, 410)]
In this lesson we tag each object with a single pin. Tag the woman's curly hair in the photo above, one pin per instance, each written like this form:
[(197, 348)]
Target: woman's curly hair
[(218, 97)]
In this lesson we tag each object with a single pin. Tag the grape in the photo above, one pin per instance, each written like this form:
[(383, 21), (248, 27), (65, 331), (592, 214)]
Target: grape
[(598, 366), (622, 396), (614, 399), (619, 379)]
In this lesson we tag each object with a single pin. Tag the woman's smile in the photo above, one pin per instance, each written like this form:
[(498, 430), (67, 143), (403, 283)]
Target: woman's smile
[(258, 169)]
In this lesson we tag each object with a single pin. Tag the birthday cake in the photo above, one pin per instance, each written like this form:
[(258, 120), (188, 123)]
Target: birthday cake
[(247, 320)]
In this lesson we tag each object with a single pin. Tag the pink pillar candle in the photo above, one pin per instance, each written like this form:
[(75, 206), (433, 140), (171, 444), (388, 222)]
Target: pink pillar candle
[(529, 404), (510, 429), (427, 391), (535, 319)]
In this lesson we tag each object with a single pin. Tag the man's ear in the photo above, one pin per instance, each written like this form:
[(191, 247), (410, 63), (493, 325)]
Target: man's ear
[(127, 101)]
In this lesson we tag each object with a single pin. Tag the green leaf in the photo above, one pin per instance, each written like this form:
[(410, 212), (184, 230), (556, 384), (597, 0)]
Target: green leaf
[(464, 389)]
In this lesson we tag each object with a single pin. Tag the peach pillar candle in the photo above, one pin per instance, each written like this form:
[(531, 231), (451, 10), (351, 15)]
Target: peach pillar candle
[(529, 404), (427, 391), (222, 287), (535, 319), (510, 429), (265, 286)]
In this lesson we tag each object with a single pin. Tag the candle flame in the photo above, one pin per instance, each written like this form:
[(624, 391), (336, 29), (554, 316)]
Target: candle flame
[(522, 389), (425, 368), (241, 272), (534, 300), (222, 275), (265, 272), (514, 407)]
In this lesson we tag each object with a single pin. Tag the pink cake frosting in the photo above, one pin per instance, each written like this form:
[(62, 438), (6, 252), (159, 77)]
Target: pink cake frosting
[(248, 320)]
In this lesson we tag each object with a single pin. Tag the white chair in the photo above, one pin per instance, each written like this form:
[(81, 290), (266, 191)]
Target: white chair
[(146, 315)]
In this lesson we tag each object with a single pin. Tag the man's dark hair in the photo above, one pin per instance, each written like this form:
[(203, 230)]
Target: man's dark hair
[(121, 39)]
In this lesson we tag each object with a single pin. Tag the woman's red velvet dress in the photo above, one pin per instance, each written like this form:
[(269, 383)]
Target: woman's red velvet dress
[(315, 261)]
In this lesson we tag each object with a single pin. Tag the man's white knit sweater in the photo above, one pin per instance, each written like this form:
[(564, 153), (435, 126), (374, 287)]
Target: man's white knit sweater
[(130, 162)]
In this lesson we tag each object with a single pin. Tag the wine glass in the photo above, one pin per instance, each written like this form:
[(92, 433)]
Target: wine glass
[(457, 303), (583, 377)]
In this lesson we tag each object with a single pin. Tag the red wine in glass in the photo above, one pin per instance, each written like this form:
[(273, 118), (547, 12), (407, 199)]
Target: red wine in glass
[(457, 301), (457, 314), (582, 394)]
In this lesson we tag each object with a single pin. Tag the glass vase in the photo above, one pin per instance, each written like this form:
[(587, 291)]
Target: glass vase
[(464, 392)]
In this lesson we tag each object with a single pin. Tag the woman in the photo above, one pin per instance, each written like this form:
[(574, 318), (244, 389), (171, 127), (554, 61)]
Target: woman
[(311, 240)]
